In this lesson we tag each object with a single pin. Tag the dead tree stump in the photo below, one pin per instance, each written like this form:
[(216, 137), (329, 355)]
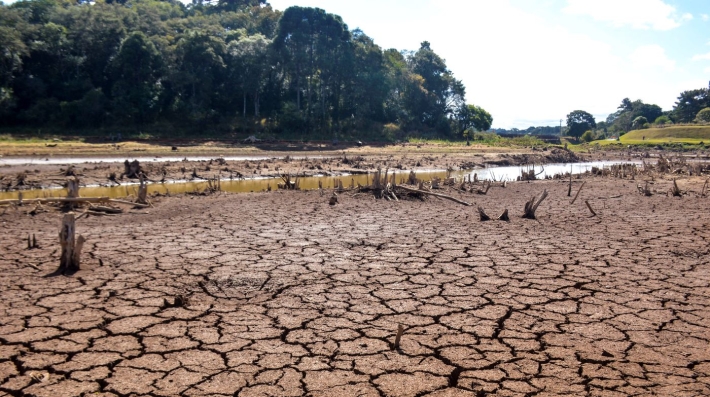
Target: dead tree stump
[(131, 169), (73, 188), (412, 179), (504, 216), (482, 213), (531, 206), (71, 246), (675, 191), (142, 191)]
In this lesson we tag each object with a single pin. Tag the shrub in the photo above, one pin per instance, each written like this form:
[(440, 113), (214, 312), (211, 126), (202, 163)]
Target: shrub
[(639, 123), (588, 136), (703, 116), (662, 120)]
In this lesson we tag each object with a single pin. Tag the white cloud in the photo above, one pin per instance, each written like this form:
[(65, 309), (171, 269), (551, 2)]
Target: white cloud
[(639, 14), (707, 70), (701, 57), (705, 17), (651, 56)]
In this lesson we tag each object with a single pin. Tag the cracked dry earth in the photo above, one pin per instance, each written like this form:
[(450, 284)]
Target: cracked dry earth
[(287, 296)]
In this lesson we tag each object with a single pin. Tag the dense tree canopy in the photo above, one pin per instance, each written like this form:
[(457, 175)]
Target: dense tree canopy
[(578, 122), (623, 119), (689, 104), (472, 117), (220, 65)]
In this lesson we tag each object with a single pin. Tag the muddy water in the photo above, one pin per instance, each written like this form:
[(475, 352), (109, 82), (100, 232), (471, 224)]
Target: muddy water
[(232, 186), (258, 185)]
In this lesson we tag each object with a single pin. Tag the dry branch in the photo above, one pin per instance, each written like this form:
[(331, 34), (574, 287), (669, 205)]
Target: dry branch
[(433, 194), (580, 189), (531, 206), (675, 191), (590, 208)]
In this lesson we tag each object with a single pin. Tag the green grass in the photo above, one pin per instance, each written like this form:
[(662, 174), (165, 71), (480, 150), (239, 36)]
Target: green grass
[(688, 134), (684, 134), (487, 139)]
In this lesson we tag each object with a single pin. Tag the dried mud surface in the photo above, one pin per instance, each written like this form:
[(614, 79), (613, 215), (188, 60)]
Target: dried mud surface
[(285, 295)]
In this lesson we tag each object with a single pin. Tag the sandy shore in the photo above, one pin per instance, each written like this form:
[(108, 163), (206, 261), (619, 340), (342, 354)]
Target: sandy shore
[(285, 295)]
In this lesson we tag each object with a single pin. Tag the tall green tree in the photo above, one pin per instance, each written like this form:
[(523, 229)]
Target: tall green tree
[(689, 104), (578, 122), (137, 70), (200, 75), (317, 54), (444, 92), (473, 118), (248, 67)]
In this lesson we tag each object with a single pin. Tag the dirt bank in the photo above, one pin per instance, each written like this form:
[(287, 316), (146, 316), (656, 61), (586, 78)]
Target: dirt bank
[(285, 295)]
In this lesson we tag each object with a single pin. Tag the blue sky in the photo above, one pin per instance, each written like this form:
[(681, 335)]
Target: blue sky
[(530, 62)]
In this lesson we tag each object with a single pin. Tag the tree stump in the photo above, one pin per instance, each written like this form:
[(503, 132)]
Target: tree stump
[(131, 169), (142, 191), (412, 179), (531, 206), (675, 191), (504, 216), (484, 216), (73, 188), (71, 246)]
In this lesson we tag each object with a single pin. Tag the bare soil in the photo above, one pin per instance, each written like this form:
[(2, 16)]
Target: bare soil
[(281, 294)]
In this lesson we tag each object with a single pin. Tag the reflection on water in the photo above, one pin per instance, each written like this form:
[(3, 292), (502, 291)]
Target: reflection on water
[(257, 185), (513, 172)]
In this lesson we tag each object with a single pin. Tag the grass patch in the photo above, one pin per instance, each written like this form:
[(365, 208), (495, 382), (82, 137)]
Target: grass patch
[(688, 134), (486, 139)]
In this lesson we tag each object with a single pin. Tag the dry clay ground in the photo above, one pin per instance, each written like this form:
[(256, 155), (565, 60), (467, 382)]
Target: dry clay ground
[(287, 296)]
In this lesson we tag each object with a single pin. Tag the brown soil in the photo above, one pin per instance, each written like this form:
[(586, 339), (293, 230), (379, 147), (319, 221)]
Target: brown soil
[(281, 294)]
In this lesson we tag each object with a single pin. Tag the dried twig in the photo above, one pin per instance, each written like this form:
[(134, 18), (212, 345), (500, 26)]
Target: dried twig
[(398, 337), (580, 189)]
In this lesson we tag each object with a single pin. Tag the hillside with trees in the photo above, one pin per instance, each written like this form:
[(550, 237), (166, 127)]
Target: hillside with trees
[(692, 107), (222, 66)]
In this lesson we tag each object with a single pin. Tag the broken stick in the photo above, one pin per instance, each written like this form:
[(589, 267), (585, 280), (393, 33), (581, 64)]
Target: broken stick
[(433, 194), (398, 337), (580, 189)]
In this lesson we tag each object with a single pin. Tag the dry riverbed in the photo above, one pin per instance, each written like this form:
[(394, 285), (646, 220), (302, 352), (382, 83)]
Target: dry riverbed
[(282, 294)]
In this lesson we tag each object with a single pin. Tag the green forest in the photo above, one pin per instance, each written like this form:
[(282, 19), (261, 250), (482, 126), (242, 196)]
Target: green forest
[(216, 68)]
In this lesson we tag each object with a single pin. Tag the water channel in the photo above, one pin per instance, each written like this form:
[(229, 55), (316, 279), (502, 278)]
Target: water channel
[(498, 173)]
